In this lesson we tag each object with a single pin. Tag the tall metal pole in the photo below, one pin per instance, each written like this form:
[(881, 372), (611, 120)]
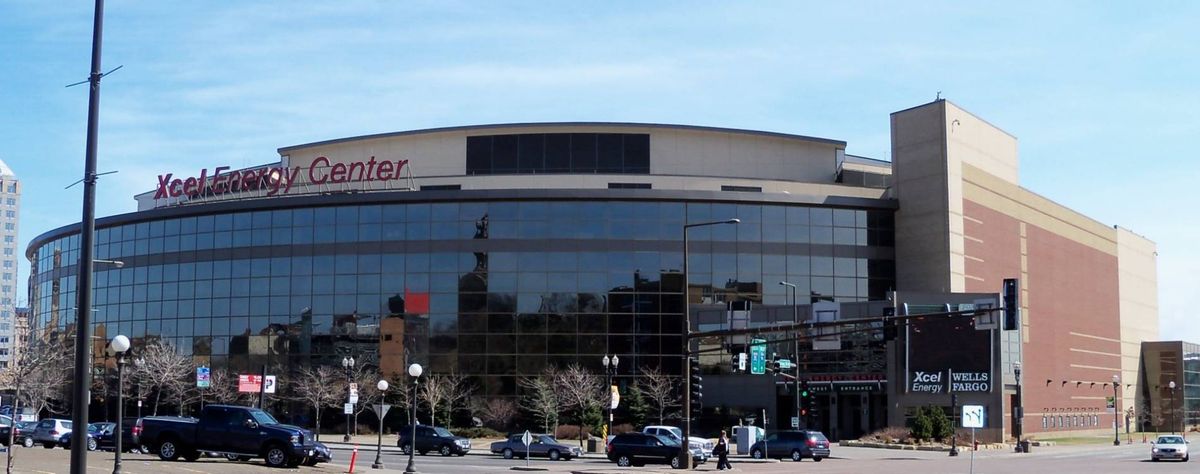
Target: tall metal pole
[(685, 334), (1019, 410), (120, 411), (795, 352), (1116, 412), (412, 439), (83, 316), (685, 455)]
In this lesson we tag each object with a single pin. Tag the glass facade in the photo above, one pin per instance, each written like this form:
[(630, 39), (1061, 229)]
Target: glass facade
[(1163, 363), (488, 289), (540, 153)]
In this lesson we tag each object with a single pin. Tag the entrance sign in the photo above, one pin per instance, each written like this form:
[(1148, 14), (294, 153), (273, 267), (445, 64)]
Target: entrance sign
[(758, 356)]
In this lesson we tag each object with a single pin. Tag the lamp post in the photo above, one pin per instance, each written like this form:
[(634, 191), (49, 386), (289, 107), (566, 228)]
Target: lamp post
[(348, 364), (685, 334), (1116, 434), (382, 386), (1172, 387), (610, 369), (795, 351), (414, 371), (119, 345), (138, 363), (1019, 410)]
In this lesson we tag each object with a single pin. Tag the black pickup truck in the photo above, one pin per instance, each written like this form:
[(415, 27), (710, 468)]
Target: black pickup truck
[(237, 432)]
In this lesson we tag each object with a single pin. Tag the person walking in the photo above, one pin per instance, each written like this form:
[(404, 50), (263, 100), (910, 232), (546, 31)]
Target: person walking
[(722, 452)]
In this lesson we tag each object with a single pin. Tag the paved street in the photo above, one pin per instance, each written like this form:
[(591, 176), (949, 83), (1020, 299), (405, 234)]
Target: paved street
[(1090, 459)]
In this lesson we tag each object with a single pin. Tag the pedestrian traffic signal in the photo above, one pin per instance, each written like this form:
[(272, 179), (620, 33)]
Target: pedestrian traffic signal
[(695, 383), (1011, 304)]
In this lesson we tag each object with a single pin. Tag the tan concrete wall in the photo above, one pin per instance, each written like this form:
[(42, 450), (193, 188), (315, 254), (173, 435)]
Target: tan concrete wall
[(919, 170), (1137, 271), (682, 152)]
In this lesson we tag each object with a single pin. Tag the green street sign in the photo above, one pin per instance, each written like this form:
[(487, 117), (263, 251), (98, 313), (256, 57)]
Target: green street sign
[(785, 364), (758, 356)]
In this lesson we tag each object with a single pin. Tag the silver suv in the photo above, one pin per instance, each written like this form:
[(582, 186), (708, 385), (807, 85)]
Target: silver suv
[(49, 430)]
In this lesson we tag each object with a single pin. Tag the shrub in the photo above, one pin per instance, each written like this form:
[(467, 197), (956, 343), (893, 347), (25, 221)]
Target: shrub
[(571, 432), (922, 425), (942, 427), (622, 428)]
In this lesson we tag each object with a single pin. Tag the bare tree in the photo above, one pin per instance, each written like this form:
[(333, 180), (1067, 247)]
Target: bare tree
[(367, 379), (496, 413), (165, 370), (458, 392), (42, 373), (659, 390), (312, 386), (578, 390), (400, 394), (541, 400), (222, 387), (434, 390)]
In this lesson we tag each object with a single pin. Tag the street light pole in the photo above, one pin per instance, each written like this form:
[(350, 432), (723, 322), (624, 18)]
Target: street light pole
[(382, 386), (685, 334), (348, 364), (414, 371), (1116, 411), (609, 370), (119, 345), (1019, 410), (796, 352), (87, 233), (1172, 387)]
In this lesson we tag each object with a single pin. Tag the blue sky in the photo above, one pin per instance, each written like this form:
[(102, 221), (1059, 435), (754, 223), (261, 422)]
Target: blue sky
[(1102, 96)]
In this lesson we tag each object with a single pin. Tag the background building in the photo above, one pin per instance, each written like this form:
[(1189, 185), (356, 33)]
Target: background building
[(10, 206), (496, 251)]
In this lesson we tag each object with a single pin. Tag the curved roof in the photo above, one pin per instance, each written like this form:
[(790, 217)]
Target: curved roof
[(485, 127), (5, 170)]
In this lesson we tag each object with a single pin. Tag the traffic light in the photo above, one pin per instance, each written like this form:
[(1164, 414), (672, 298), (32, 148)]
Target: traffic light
[(805, 402), (890, 329), (1012, 304), (695, 385)]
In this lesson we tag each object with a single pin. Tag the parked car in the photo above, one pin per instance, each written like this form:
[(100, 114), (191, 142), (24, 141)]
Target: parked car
[(434, 438), (694, 442), (796, 445), (1169, 447), (48, 431), (541, 445), (636, 449), (23, 435), (234, 431), (93, 430)]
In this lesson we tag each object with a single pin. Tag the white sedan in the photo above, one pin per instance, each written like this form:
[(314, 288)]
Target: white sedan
[(1169, 447)]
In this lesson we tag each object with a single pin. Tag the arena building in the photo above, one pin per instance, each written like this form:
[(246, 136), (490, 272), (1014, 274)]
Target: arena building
[(496, 251)]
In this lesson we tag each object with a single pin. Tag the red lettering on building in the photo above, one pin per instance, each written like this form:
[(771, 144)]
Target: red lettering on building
[(277, 180)]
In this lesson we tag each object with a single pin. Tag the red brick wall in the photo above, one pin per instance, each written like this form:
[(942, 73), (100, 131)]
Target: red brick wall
[(1073, 312)]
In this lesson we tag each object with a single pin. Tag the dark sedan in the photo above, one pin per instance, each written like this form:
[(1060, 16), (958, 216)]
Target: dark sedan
[(22, 437), (93, 430), (541, 445), (636, 449)]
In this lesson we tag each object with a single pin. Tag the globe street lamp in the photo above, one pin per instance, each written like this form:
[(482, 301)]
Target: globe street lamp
[(1116, 434), (610, 368), (414, 371), (348, 364), (685, 332), (382, 386), (1172, 387), (119, 345)]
